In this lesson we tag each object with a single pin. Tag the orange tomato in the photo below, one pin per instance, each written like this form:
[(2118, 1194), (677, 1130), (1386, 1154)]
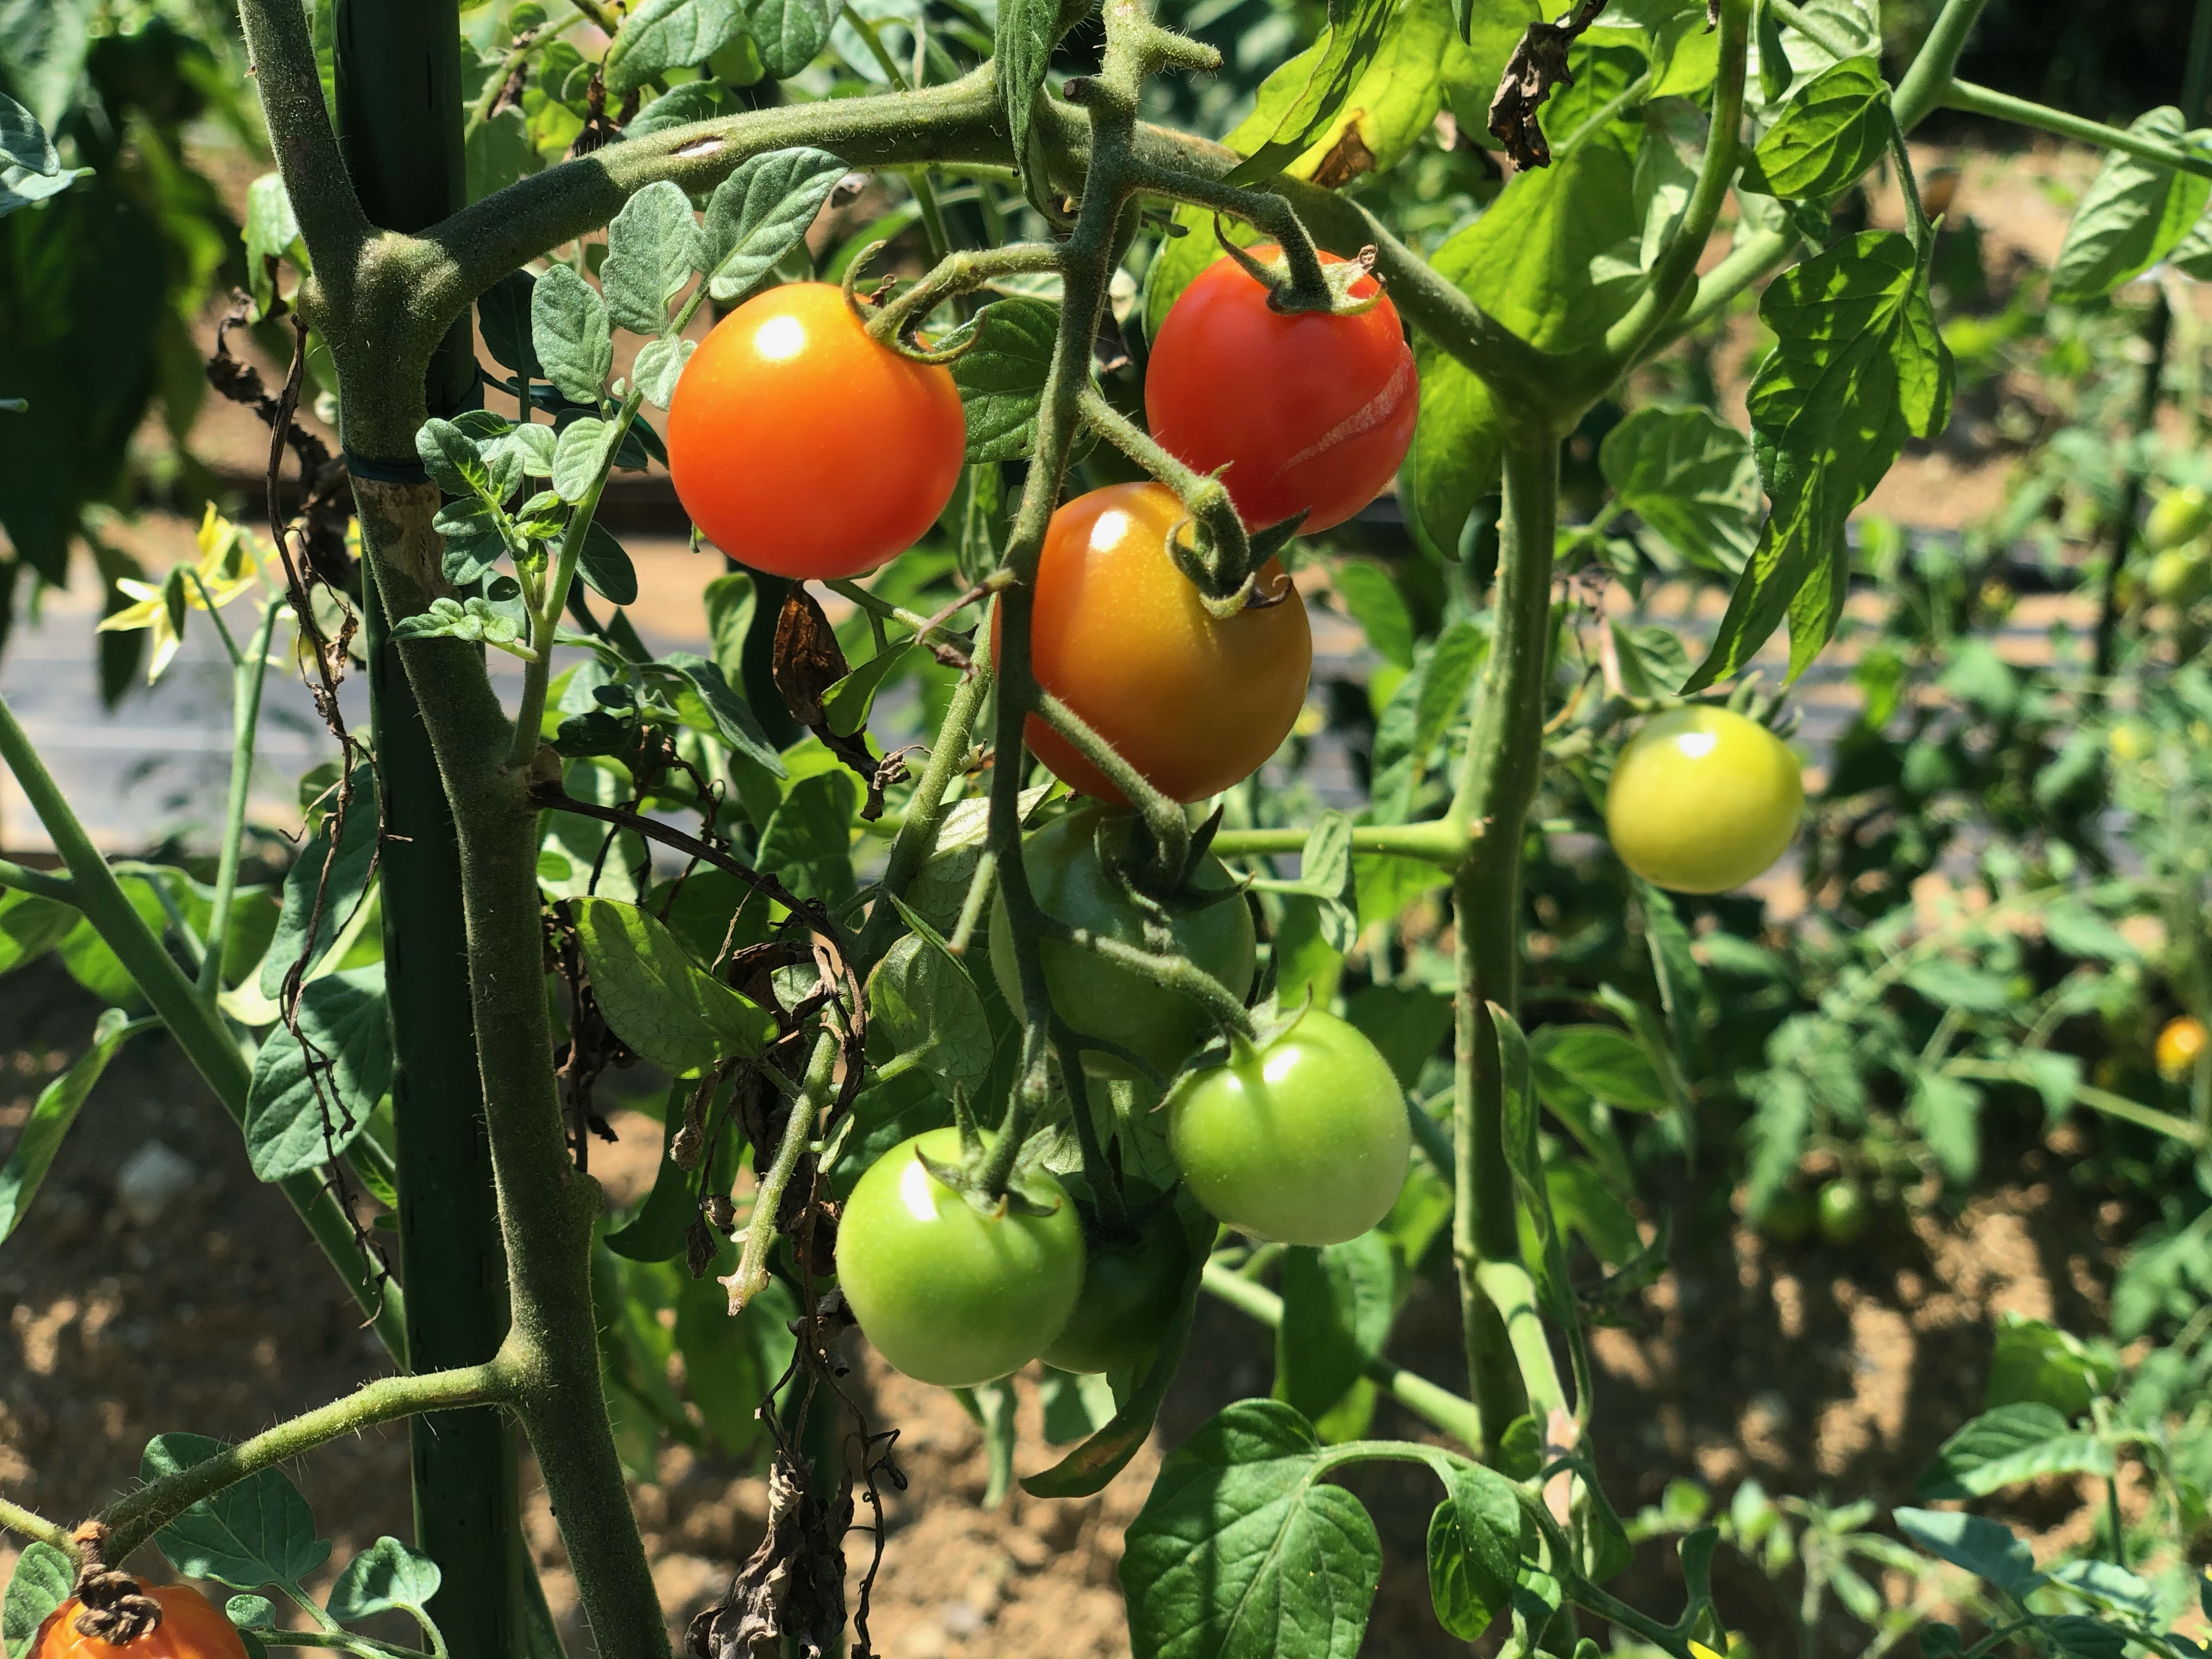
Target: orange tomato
[(2179, 1046), (1194, 702), (191, 1627), (801, 446)]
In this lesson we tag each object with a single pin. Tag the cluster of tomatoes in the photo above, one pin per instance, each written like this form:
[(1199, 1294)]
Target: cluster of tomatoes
[(1303, 1138)]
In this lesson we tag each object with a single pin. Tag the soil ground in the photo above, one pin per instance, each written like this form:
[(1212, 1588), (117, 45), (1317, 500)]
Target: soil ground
[(1813, 1372)]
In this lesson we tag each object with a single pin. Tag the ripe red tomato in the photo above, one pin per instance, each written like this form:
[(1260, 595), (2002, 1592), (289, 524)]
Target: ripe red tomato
[(1702, 801), (190, 1628), (1194, 702), (1306, 409), (1305, 1141), (801, 446), (948, 1294)]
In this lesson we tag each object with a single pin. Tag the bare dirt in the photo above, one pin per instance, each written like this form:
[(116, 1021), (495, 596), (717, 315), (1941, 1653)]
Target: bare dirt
[(1814, 1371)]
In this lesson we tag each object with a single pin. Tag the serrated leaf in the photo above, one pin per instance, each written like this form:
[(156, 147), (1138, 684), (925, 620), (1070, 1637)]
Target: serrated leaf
[(1858, 368), (43, 1578), (1022, 39), (571, 335), (1001, 377), (923, 1001), (1240, 1550), (789, 33), (2008, 1446), (759, 213), (652, 245), (51, 1114), (665, 34), (656, 1000), (1825, 137), (1338, 1304), (1690, 477), (659, 365), (1608, 1065), (258, 1531), (2134, 214), (345, 1016)]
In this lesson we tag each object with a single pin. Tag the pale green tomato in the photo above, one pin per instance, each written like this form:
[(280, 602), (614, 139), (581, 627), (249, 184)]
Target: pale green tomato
[(1702, 801), (2179, 576), (949, 1294), (2177, 516), (1102, 999), (1304, 1141)]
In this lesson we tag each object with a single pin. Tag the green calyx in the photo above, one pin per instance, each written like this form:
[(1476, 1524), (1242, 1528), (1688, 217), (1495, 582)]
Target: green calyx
[(1318, 287)]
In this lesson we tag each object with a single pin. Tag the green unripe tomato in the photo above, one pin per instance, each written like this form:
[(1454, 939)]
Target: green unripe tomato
[(1095, 996), (1130, 1289), (1788, 1218), (1304, 1141), (1845, 1213), (2179, 576), (1702, 801), (2177, 516), (947, 1293)]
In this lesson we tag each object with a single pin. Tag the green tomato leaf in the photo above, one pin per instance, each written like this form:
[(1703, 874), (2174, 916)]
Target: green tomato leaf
[(503, 314), (1947, 1112), (1474, 1549), (1001, 377), (656, 1232), (658, 1001), (452, 459), (1296, 103), (386, 1576), (810, 837), (43, 1578), (604, 564), (665, 34), (1857, 368), (659, 365), (1985, 1548), (23, 141), (30, 927), (1338, 1305), (730, 601), (342, 892), (921, 1000), (1608, 1065), (477, 620), (650, 248), (2036, 1361), (1829, 132), (344, 1017), (731, 1361), (678, 106), (258, 1531), (272, 233), (846, 705), (789, 33), (2135, 213), (569, 330), (759, 213), (732, 716), (1690, 477), (2009, 1447), (1373, 598), (1241, 1551), (51, 1114), (1022, 39), (581, 455)]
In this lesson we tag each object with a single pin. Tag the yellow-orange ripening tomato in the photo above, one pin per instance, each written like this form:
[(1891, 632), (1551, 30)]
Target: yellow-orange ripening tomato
[(190, 1628), (801, 446), (1194, 701), (1702, 801), (1309, 412), (2179, 1046)]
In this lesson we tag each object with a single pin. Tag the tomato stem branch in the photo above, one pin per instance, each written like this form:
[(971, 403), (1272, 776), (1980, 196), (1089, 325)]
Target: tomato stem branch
[(751, 1278), (14, 1517), (132, 1520), (925, 815), (1220, 564), (245, 683), (1931, 77)]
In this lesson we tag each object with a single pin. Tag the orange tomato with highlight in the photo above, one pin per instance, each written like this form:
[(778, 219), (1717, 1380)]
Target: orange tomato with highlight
[(1195, 702), (802, 447)]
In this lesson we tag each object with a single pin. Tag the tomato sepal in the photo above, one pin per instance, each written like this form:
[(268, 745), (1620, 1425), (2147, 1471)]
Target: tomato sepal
[(1030, 1190), (1284, 292)]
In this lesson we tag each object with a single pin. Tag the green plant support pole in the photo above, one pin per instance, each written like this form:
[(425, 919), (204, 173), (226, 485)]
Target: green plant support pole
[(399, 127)]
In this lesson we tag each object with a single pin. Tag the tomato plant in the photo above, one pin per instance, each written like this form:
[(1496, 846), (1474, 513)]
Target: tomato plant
[(1194, 701), (947, 1291), (768, 459), (1077, 884), (1702, 801), (1308, 414), (1303, 1141), (1131, 1286)]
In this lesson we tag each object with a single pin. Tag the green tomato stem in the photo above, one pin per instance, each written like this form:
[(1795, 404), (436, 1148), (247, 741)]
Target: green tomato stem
[(247, 679), (751, 1278)]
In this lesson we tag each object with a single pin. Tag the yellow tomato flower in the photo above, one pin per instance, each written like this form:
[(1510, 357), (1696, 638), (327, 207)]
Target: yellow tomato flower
[(230, 564)]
